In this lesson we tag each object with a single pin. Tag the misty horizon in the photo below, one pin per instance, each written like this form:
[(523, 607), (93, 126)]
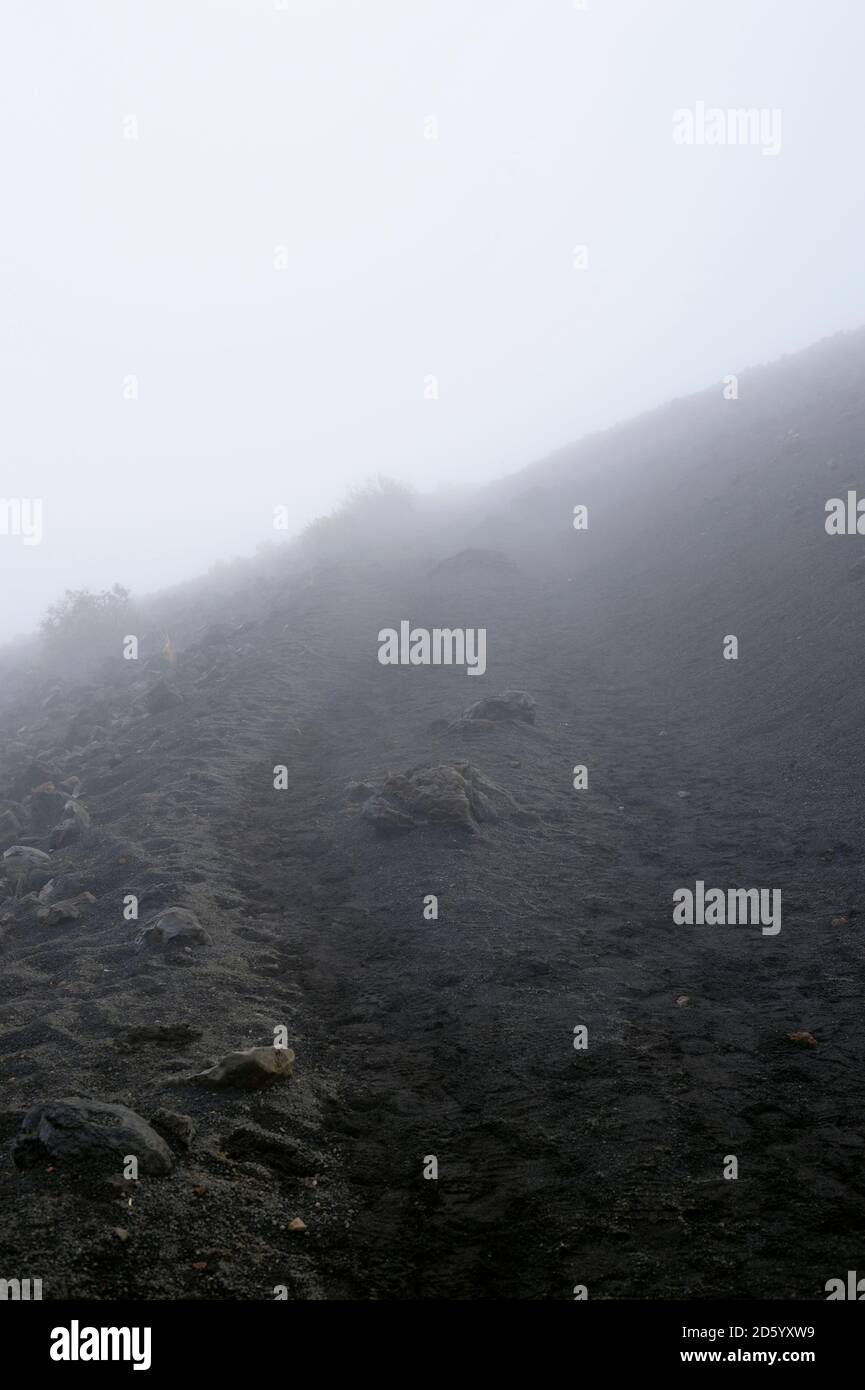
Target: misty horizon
[(215, 306), (27, 524)]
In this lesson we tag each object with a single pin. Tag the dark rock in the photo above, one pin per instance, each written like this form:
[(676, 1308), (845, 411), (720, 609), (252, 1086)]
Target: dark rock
[(250, 1070), (457, 793), (514, 706), (19, 857), (178, 1130), (173, 927), (57, 914), (24, 911), (75, 823), (46, 806), (66, 833), (90, 1135)]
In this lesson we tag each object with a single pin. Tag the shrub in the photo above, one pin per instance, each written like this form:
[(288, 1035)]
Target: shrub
[(375, 515), (83, 628)]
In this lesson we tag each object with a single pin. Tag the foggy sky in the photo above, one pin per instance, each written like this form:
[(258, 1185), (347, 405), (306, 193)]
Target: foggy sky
[(303, 127)]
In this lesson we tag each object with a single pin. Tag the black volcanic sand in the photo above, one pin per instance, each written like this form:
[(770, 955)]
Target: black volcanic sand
[(454, 1038)]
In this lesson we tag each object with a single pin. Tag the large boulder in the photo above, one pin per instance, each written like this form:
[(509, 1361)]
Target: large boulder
[(90, 1135)]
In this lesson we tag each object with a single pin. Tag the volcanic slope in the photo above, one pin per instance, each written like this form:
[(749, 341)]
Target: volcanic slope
[(453, 1038)]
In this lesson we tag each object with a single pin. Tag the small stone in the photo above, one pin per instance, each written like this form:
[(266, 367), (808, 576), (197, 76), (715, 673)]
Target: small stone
[(75, 823), (179, 1130), (250, 1070), (78, 812), (683, 999), (803, 1038), (513, 706), (57, 914), (25, 855), (176, 926), (297, 1224)]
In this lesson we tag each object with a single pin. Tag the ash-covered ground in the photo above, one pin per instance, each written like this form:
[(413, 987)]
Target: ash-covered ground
[(451, 1037)]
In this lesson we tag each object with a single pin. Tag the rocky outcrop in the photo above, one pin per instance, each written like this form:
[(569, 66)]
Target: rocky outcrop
[(90, 1135), (457, 794), (511, 706)]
